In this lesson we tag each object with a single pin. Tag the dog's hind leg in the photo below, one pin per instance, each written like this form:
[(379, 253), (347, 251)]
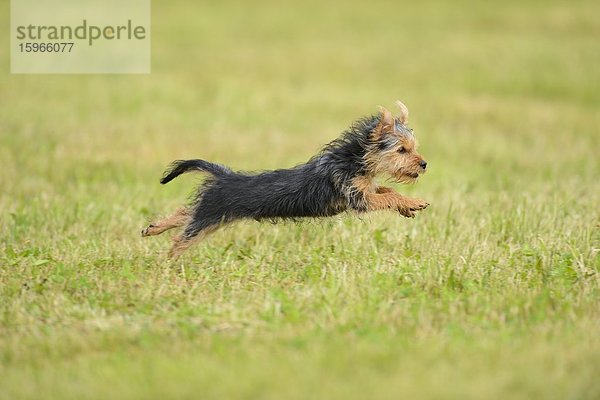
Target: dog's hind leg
[(192, 234), (177, 219)]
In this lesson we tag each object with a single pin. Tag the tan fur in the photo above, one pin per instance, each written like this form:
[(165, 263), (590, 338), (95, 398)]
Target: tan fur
[(386, 123), (403, 116), (384, 198), (404, 167), (180, 244), (175, 220)]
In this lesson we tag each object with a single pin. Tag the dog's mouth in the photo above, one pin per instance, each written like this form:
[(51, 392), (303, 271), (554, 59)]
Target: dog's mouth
[(406, 177)]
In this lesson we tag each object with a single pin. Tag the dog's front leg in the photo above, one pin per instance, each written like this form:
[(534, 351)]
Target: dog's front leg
[(384, 189), (387, 199)]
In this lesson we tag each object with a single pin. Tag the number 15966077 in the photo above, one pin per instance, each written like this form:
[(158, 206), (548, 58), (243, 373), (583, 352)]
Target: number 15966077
[(63, 47)]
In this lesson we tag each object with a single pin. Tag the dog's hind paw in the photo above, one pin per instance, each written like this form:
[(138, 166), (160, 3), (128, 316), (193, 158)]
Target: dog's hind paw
[(147, 231)]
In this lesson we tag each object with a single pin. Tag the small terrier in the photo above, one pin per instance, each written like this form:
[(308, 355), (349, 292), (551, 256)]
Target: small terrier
[(340, 178)]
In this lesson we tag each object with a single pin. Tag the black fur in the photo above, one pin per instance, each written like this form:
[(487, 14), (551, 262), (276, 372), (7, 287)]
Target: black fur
[(179, 167), (319, 188)]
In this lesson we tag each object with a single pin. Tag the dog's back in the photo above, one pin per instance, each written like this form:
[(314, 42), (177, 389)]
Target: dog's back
[(281, 194)]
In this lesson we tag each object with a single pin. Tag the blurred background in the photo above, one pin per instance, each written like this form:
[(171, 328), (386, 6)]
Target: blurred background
[(491, 292), (499, 88), (502, 97)]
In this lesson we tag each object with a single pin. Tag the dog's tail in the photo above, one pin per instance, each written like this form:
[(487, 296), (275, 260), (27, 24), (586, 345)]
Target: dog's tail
[(179, 167)]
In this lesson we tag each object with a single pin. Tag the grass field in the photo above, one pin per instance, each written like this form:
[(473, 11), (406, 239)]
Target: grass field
[(491, 293)]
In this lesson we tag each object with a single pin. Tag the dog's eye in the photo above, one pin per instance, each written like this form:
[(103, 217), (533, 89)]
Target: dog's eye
[(401, 150)]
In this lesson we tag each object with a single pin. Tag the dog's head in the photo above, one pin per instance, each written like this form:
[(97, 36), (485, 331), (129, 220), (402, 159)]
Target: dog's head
[(394, 148)]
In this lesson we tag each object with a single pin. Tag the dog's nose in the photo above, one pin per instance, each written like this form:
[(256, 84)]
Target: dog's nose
[(423, 164)]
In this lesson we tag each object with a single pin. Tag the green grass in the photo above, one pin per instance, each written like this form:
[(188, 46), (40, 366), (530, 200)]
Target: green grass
[(492, 292)]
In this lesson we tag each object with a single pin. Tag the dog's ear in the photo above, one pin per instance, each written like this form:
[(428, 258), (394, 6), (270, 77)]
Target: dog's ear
[(403, 117), (386, 117), (386, 123)]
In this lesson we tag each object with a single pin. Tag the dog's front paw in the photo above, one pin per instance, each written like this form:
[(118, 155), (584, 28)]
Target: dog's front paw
[(410, 208), (418, 205), (405, 212)]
